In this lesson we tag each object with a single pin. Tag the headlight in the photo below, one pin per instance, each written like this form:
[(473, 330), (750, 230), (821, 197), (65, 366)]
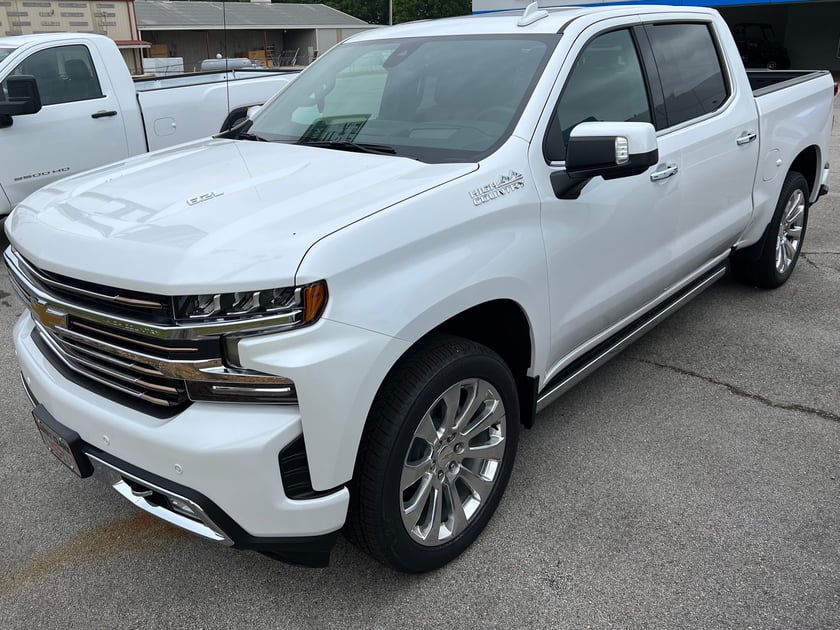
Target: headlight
[(290, 306)]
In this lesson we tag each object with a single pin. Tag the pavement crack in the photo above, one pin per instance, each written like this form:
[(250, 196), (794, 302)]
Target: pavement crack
[(737, 391), (804, 256)]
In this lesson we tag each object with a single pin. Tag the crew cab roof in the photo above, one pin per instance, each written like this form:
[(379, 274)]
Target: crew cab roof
[(506, 21)]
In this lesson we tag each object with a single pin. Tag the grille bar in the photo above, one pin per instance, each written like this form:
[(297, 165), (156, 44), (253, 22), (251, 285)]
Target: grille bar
[(99, 378), (56, 285)]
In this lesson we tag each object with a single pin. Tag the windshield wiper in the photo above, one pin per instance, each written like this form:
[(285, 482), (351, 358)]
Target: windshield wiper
[(377, 149), (242, 135)]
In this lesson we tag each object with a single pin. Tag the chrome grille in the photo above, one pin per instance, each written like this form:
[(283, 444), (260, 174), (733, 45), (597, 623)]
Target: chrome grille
[(129, 377), (143, 305), (87, 330)]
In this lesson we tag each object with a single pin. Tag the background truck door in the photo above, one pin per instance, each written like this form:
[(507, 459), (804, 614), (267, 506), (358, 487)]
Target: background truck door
[(78, 127)]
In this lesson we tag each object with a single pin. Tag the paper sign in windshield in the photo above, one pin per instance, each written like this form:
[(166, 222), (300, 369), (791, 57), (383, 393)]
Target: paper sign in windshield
[(334, 129)]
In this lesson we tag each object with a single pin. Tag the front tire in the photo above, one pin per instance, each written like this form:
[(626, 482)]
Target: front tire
[(769, 263), (436, 455)]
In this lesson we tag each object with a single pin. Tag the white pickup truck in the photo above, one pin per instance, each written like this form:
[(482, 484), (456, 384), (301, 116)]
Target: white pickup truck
[(84, 110), (339, 314)]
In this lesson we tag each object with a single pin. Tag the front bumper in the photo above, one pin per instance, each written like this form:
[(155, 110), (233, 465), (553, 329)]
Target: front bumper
[(221, 457)]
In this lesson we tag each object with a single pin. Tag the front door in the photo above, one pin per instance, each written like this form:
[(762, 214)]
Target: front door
[(607, 251), (79, 126)]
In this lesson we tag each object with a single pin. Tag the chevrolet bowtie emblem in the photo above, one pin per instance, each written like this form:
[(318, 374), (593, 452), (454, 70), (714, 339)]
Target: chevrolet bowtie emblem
[(48, 316)]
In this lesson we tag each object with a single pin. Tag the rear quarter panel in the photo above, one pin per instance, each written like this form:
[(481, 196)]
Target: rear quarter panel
[(791, 119)]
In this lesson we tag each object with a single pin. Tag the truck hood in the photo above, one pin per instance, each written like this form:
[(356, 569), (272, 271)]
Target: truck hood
[(214, 215)]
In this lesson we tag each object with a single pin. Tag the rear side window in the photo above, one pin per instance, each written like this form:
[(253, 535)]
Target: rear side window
[(689, 68), (606, 84)]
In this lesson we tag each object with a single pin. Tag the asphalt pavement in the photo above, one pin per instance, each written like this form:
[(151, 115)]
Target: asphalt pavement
[(692, 482)]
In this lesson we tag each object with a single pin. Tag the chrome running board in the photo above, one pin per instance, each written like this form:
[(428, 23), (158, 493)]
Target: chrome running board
[(590, 362)]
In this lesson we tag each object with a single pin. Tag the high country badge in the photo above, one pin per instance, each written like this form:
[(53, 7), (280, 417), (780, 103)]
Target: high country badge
[(505, 185)]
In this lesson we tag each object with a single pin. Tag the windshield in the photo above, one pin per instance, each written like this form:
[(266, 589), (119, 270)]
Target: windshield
[(5, 52), (436, 100)]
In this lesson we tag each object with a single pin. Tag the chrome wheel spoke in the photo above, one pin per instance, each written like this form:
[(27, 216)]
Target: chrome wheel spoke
[(414, 510), (794, 216), (427, 430), (412, 473), (435, 521), (794, 232), (476, 397), (451, 401), (493, 415), (492, 449), (458, 520), (479, 485), (781, 263), (790, 249)]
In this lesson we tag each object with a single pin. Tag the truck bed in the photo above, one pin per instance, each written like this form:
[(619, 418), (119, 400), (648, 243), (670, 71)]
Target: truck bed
[(145, 84), (767, 81)]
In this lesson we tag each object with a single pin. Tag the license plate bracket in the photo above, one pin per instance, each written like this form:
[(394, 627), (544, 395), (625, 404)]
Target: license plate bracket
[(63, 442)]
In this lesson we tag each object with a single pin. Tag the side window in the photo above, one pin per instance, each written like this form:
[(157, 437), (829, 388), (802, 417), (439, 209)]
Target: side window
[(689, 68), (64, 74), (606, 84)]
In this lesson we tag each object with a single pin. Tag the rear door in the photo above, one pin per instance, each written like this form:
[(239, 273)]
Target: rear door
[(79, 126), (715, 122)]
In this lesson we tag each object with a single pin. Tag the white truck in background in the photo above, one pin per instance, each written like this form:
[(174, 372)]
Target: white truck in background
[(338, 314), (83, 108)]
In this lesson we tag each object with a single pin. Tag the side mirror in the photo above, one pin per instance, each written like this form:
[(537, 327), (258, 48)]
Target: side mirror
[(252, 111), (611, 150), (23, 96)]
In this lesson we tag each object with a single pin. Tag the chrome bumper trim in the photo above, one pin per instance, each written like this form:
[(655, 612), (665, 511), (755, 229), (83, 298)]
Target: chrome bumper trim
[(203, 525)]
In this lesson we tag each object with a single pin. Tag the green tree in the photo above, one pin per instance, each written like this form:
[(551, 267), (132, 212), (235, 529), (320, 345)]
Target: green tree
[(376, 11), (409, 10)]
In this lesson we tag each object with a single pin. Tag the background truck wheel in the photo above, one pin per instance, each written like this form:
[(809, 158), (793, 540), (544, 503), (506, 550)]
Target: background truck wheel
[(436, 455), (769, 263)]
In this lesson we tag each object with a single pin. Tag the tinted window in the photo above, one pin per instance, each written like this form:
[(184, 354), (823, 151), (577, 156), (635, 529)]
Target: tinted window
[(606, 84), (689, 68), (63, 74), (437, 99)]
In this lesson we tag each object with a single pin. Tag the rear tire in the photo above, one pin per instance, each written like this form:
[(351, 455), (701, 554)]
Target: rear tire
[(769, 263), (436, 455)]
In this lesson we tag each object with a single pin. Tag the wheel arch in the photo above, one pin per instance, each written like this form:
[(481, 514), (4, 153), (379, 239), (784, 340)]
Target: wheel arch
[(807, 162), (503, 326)]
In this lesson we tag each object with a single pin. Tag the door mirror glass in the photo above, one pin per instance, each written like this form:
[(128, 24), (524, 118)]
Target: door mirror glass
[(22, 98)]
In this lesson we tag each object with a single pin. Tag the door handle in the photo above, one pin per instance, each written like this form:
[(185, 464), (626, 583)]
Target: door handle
[(665, 173), (103, 114), (746, 138)]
